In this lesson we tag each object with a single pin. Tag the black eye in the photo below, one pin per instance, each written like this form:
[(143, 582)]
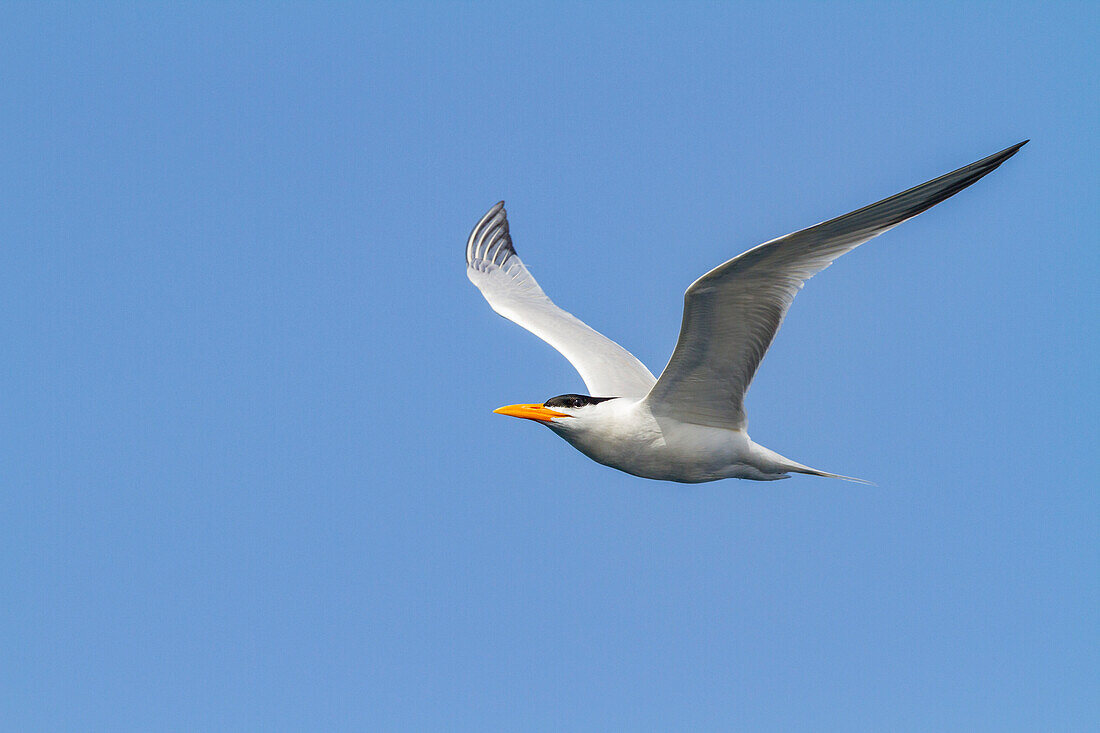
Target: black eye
[(577, 402)]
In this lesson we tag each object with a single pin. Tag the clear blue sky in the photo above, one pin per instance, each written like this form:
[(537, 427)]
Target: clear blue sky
[(250, 475)]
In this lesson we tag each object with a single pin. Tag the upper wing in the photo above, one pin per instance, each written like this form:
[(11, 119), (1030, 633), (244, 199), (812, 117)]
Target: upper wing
[(493, 266), (731, 313)]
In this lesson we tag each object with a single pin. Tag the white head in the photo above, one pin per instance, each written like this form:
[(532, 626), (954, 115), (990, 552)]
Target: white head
[(565, 414)]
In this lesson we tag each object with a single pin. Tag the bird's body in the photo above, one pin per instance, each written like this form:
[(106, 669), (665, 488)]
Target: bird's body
[(625, 434), (689, 425)]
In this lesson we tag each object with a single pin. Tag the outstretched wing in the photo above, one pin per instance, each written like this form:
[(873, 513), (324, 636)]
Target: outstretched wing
[(493, 266), (731, 314)]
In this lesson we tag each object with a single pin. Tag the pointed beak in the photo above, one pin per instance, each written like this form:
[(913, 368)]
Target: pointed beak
[(530, 412)]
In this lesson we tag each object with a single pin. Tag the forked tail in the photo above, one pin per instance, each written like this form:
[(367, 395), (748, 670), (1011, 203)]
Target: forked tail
[(782, 464), (826, 474)]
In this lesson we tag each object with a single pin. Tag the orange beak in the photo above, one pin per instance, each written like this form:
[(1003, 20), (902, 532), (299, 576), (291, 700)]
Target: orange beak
[(530, 412)]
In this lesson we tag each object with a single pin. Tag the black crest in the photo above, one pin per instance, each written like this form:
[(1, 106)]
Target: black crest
[(574, 400)]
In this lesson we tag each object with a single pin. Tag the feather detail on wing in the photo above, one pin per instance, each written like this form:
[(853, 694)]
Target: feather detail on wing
[(731, 314), (608, 370)]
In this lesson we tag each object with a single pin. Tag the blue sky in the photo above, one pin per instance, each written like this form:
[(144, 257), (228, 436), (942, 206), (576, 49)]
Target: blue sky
[(251, 476)]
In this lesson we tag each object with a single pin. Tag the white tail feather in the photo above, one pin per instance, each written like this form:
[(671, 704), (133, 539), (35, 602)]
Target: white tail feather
[(826, 474)]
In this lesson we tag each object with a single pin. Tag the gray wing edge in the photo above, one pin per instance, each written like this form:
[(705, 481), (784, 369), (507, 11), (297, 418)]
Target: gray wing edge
[(861, 224), (489, 240)]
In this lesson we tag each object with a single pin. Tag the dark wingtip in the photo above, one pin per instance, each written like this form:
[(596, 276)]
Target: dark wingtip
[(988, 164), (493, 211), (1010, 151)]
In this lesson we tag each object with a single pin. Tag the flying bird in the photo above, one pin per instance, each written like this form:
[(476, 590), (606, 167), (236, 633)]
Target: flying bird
[(689, 425)]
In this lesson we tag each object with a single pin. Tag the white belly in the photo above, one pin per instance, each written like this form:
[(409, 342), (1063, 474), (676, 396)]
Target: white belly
[(632, 440)]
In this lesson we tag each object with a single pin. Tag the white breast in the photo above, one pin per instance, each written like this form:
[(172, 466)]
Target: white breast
[(624, 434)]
